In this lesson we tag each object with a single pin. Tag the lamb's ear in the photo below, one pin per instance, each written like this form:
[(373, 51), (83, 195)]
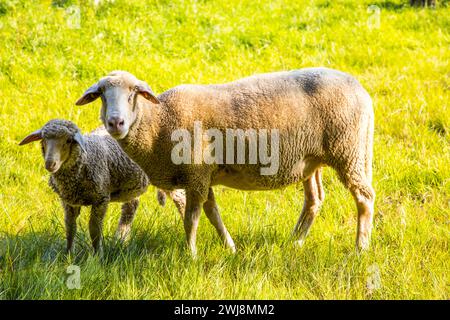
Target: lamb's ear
[(78, 138), (34, 136), (144, 90), (89, 95)]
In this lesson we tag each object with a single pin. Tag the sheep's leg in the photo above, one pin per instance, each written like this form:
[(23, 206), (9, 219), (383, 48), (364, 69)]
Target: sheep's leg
[(314, 196), (161, 196), (126, 219), (212, 212), (70, 219), (320, 191), (96, 225), (178, 197), (364, 197), (191, 219), (356, 180)]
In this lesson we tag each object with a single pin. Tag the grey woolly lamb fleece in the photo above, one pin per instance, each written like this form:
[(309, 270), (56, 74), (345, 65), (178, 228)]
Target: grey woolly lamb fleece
[(324, 117), (90, 170)]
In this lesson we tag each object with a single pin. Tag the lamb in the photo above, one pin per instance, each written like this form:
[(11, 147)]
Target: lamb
[(91, 170), (323, 117)]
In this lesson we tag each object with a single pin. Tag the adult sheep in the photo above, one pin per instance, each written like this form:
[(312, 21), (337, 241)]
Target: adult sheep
[(322, 117)]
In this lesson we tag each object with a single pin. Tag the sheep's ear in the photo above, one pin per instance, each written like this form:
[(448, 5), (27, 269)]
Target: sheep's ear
[(90, 95), (78, 138), (35, 136), (144, 90)]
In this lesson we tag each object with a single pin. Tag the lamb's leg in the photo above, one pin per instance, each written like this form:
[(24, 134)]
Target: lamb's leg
[(314, 196), (212, 212), (191, 219), (70, 219), (126, 219), (96, 225)]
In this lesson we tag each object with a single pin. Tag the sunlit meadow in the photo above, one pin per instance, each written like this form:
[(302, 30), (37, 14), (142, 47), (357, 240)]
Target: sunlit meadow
[(50, 52)]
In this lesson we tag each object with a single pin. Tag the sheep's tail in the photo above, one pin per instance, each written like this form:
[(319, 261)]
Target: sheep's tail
[(369, 145)]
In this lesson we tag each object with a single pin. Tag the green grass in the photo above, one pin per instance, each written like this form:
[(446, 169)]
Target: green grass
[(404, 64)]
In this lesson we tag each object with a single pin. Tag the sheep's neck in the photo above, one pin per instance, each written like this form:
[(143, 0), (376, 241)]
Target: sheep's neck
[(139, 142)]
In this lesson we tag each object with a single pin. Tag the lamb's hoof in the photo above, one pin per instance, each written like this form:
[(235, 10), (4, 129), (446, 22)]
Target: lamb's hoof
[(99, 253), (69, 253)]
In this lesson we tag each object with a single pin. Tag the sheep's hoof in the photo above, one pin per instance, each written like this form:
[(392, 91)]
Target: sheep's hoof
[(362, 246), (299, 243), (69, 252)]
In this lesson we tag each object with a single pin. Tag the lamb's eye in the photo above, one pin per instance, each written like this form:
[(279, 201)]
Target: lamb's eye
[(69, 141)]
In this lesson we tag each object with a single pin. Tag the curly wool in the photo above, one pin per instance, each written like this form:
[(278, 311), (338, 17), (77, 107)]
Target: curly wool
[(59, 128), (101, 174)]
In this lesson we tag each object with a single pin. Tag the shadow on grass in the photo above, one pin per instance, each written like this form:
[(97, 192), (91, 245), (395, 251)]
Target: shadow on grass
[(391, 5), (26, 250)]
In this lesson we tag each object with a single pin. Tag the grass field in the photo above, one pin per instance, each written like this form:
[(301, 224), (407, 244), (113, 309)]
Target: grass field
[(51, 52)]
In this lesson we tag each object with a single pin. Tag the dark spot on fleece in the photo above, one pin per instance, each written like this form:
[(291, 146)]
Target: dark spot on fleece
[(310, 82)]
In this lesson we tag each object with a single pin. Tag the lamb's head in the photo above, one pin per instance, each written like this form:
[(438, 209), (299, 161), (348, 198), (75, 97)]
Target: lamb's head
[(119, 92), (59, 138)]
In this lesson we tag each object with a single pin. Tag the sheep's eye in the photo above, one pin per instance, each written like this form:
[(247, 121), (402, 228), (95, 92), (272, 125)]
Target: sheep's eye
[(69, 141)]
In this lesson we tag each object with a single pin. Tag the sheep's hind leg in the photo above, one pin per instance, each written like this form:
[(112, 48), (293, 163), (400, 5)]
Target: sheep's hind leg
[(96, 225), (126, 219), (178, 197), (364, 197), (212, 212), (314, 196), (70, 219), (356, 180)]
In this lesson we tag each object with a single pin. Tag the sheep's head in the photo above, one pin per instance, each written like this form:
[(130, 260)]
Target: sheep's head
[(58, 139), (119, 92)]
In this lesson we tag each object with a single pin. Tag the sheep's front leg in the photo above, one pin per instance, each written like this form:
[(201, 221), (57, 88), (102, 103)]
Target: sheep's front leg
[(191, 219), (70, 219), (96, 225), (212, 212), (126, 219)]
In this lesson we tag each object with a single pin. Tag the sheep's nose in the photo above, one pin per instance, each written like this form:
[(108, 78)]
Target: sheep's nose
[(50, 165), (116, 123)]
